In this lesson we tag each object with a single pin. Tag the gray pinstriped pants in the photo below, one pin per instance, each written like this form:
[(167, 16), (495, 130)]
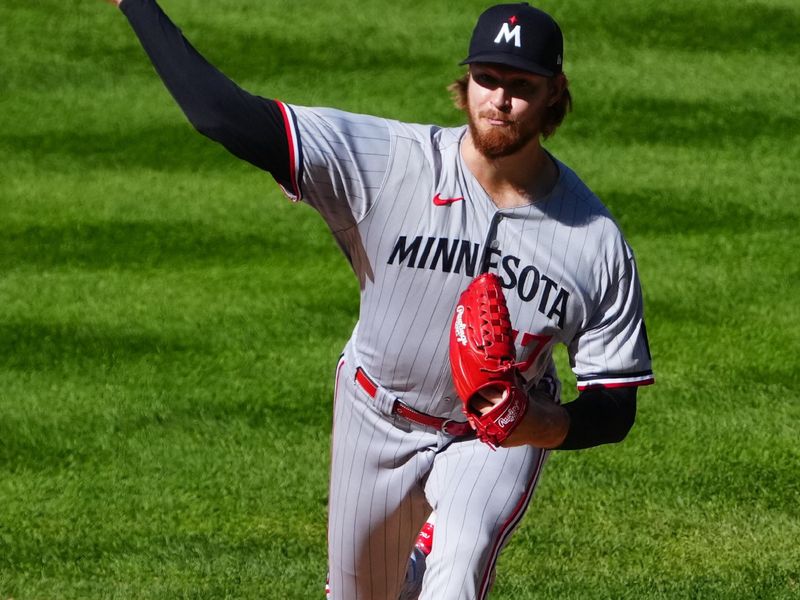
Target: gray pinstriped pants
[(387, 475)]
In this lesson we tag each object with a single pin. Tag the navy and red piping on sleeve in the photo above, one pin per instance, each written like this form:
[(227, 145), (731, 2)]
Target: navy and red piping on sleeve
[(295, 153), (615, 380), (255, 129)]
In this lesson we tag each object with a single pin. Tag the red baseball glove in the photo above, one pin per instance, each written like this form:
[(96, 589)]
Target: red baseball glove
[(482, 359)]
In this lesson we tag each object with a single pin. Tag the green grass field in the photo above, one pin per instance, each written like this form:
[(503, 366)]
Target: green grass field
[(169, 324)]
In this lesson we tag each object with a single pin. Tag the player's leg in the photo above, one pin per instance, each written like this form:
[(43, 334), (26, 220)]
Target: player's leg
[(417, 562), (479, 497), (376, 503)]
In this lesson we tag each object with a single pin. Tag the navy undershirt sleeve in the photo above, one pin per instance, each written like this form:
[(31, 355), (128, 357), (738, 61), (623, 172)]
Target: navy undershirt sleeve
[(249, 126), (600, 416)]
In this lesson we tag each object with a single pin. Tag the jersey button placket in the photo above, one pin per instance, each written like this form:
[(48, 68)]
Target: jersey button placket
[(491, 240)]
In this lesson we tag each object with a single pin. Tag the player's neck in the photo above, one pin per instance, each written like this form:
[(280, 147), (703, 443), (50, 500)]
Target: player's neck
[(515, 180)]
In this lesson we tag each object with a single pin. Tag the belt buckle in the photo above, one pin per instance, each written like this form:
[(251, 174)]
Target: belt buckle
[(443, 428)]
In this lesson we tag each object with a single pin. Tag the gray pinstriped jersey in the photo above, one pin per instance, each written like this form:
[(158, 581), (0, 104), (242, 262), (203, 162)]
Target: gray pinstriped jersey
[(569, 275)]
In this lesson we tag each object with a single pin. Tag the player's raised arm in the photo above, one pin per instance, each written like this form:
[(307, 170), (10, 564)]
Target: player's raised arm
[(249, 126)]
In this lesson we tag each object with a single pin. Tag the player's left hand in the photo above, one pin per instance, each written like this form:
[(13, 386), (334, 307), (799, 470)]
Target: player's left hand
[(544, 425)]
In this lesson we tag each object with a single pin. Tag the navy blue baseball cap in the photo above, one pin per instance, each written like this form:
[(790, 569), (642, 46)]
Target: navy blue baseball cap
[(519, 36)]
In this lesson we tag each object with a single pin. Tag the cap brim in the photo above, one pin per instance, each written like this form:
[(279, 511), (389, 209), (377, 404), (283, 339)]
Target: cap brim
[(508, 60)]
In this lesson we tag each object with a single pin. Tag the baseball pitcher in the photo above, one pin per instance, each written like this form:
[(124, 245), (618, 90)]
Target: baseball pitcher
[(477, 252)]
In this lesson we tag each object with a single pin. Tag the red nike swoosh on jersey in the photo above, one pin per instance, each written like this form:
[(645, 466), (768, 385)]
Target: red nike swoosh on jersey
[(439, 201)]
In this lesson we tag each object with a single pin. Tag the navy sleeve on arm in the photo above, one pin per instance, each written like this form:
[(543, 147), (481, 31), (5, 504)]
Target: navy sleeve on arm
[(600, 416), (249, 126)]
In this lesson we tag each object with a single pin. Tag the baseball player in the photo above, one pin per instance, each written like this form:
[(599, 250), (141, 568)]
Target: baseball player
[(420, 211)]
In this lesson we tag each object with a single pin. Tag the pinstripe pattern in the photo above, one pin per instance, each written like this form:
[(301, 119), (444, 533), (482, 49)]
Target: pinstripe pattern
[(378, 178), (509, 526), (376, 503), (481, 496), (387, 477), (569, 278)]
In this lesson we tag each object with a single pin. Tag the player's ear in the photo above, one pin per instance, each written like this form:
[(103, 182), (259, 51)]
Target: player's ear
[(557, 84)]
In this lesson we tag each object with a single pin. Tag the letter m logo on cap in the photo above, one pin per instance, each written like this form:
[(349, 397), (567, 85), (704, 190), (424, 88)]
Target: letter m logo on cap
[(508, 34)]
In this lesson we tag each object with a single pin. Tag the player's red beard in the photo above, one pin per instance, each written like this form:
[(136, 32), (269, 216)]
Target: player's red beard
[(496, 142)]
